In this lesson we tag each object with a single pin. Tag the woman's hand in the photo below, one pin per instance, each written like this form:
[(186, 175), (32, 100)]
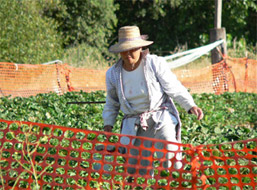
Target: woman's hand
[(108, 128), (197, 111)]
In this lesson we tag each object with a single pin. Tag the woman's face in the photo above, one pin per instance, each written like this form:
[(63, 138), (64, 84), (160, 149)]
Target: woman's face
[(131, 57)]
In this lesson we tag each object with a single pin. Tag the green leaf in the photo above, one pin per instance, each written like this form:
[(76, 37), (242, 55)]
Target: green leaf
[(217, 130)]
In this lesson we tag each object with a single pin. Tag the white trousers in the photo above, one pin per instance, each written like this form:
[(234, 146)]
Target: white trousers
[(168, 133)]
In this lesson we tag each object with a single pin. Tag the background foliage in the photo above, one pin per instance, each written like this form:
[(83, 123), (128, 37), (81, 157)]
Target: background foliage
[(25, 36), (44, 30), (228, 117), (89, 21), (175, 22)]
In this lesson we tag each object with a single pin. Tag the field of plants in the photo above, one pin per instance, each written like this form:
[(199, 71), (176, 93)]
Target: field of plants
[(228, 117)]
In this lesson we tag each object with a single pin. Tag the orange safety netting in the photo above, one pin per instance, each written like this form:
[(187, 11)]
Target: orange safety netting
[(56, 157), (230, 75), (233, 75)]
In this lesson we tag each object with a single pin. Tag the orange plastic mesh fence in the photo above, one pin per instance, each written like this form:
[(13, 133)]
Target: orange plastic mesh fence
[(243, 75), (231, 75), (85, 79), (56, 157), (208, 79), (27, 79)]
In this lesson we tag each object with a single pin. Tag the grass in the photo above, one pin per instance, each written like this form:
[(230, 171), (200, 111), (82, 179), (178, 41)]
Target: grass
[(84, 56)]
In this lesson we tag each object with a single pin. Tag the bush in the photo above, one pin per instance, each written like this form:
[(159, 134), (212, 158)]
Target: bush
[(238, 48), (86, 56), (86, 27), (26, 36)]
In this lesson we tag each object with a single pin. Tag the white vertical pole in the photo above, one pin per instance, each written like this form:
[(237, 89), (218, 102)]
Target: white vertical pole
[(218, 11), (218, 33)]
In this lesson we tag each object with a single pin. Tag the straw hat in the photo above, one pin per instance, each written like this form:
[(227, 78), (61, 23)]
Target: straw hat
[(129, 38)]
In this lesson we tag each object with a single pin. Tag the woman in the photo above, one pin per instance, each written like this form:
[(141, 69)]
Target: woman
[(143, 87)]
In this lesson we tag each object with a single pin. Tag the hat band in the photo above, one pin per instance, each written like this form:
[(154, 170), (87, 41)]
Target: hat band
[(142, 37), (129, 39)]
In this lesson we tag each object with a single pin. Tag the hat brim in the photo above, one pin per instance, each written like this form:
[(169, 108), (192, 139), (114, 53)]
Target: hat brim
[(129, 45)]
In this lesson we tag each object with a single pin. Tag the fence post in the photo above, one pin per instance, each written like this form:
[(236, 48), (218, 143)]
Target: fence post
[(218, 33)]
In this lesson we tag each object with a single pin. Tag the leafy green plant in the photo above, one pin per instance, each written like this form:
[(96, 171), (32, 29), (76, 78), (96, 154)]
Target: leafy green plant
[(228, 117), (28, 146)]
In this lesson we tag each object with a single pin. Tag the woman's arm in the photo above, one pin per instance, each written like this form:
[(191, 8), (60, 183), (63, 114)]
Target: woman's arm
[(173, 87), (112, 106)]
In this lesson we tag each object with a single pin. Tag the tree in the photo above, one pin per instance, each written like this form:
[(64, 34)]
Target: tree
[(26, 36), (91, 21), (240, 19), (168, 23), (173, 23)]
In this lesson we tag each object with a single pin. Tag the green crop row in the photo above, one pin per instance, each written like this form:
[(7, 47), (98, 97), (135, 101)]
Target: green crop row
[(228, 117)]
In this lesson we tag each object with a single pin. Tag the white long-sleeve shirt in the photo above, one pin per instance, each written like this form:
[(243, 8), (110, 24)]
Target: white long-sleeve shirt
[(163, 87)]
